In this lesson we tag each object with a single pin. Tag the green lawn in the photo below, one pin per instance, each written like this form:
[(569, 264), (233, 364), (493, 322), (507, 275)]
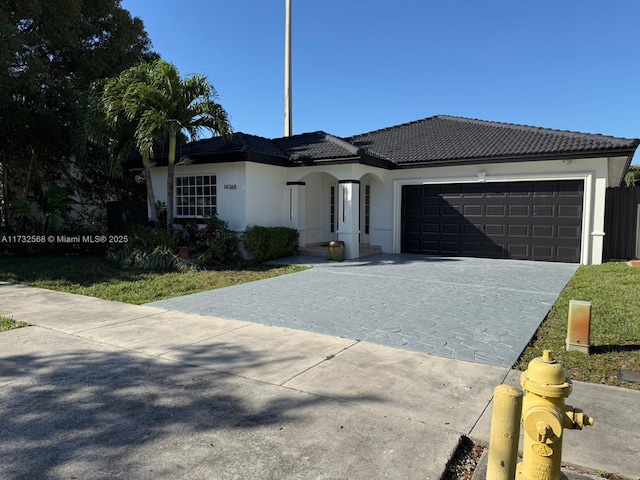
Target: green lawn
[(614, 292), (96, 277)]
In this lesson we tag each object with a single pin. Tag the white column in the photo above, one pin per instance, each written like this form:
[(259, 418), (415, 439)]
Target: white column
[(597, 226), (295, 204), (349, 217)]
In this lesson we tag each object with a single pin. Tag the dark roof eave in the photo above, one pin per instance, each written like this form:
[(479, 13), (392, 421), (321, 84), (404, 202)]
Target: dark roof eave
[(628, 152), (239, 156), (378, 162), (364, 160), (268, 159)]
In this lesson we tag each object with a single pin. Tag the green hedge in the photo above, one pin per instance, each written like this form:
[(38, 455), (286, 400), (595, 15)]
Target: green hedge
[(269, 243)]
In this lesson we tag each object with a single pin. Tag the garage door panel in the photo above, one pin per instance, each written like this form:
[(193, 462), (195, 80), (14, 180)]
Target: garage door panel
[(519, 190), (567, 231), (495, 250), (413, 244), (472, 210), (569, 211), (431, 228), (544, 189), (450, 210), (570, 189), (544, 211), (411, 227), (525, 220), (472, 247), (493, 190), (519, 211), (566, 254), (494, 229), (520, 250), (412, 210), (449, 228), (431, 210), (495, 210), (518, 230), (544, 252), (473, 191), (472, 229), (542, 231), (451, 191), (450, 248)]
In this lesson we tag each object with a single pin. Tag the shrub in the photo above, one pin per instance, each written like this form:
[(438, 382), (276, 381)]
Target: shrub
[(147, 238), (268, 243), (147, 249), (215, 243)]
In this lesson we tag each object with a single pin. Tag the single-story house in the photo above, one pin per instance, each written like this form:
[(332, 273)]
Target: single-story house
[(442, 185)]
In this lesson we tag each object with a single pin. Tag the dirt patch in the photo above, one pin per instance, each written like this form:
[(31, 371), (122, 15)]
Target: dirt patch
[(464, 461)]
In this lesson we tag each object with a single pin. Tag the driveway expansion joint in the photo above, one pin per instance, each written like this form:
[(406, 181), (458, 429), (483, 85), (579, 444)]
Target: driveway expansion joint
[(326, 359)]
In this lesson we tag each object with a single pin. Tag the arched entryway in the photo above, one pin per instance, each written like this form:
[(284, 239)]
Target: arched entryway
[(338, 209)]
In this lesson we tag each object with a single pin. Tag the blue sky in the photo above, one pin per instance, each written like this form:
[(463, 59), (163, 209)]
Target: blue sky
[(363, 65)]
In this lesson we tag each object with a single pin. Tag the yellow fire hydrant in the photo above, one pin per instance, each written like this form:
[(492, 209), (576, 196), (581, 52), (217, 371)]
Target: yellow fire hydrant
[(544, 416)]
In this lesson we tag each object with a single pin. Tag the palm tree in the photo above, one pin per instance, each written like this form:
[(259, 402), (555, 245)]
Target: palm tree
[(173, 105), (122, 107), (632, 177)]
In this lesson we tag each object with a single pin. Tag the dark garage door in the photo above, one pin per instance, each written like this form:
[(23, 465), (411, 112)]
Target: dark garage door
[(523, 220)]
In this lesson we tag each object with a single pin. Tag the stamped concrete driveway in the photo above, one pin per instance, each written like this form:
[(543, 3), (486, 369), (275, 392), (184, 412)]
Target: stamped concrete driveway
[(475, 309)]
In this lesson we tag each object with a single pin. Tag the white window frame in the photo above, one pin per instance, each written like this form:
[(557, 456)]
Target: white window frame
[(195, 196)]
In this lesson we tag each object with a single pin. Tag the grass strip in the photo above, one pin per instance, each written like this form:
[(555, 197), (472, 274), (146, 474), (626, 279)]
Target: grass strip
[(7, 323), (97, 277), (614, 292)]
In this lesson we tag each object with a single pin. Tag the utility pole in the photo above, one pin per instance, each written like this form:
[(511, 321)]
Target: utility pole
[(288, 122)]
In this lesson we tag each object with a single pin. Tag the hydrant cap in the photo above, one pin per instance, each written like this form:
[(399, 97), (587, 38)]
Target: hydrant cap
[(546, 377)]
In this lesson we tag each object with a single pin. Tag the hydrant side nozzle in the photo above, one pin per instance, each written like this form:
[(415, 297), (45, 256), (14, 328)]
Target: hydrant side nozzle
[(576, 419)]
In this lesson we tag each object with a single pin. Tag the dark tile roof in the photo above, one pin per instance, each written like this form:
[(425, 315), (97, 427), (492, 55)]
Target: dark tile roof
[(239, 145), (445, 139), (316, 146), (261, 145), (432, 141)]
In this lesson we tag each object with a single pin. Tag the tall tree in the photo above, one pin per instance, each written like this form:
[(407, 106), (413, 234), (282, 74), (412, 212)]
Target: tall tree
[(173, 105), (51, 53), (117, 102)]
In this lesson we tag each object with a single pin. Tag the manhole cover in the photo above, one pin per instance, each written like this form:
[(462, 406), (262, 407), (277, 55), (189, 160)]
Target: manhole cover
[(629, 376)]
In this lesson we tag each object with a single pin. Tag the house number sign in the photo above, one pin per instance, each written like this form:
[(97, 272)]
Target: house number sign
[(230, 186)]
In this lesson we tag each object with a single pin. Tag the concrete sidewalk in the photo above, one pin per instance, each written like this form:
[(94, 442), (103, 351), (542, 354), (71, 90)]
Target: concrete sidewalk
[(99, 389)]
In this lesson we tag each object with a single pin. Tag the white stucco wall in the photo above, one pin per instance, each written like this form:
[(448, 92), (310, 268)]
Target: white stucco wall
[(266, 195), (247, 193), (231, 201)]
